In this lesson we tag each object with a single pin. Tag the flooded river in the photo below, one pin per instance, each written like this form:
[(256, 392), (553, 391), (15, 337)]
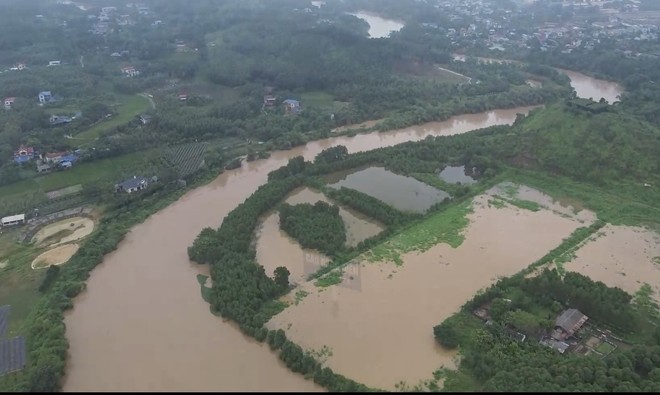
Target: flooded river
[(142, 325), (585, 87), (378, 27)]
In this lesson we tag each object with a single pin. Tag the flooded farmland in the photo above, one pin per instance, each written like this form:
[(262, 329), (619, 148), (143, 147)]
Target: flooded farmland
[(276, 248), (141, 324), (401, 192), (380, 332), (621, 256)]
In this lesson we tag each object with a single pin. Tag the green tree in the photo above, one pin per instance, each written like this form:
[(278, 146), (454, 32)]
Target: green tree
[(282, 277)]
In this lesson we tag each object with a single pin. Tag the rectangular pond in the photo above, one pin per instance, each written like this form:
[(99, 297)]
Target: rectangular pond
[(403, 193)]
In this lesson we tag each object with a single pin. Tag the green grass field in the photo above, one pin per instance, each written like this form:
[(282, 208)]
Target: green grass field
[(317, 99), (445, 226), (18, 282), (129, 108)]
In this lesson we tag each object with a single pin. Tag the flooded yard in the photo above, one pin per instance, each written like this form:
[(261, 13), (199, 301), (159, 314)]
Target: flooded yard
[(401, 192), (273, 244), (379, 321), (622, 256)]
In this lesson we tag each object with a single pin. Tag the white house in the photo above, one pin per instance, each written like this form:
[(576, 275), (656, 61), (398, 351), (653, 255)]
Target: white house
[(13, 220), (54, 63), (9, 101), (129, 71)]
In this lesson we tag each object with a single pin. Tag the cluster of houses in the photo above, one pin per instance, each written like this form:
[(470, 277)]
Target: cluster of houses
[(561, 338), (291, 106), (45, 162), (130, 71)]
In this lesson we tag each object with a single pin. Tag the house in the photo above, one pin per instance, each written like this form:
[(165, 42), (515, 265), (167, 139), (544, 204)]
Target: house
[(19, 66), (269, 100), (53, 157), (556, 344), (43, 168), (23, 154), (68, 158), (66, 165), (9, 101), (292, 106), (145, 119), (54, 63), (182, 96), (569, 322), (13, 220), (59, 119), (132, 185), (129, 71), (116, 55), (45, 97)]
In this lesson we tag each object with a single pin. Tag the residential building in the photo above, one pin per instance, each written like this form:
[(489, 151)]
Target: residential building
[(54, 63), (269, 100), (45, 97), (59, 119), (135, 184), (182, 96), (23, 154), (43, 168), (9, 101), (569, 322), (145, 119), (292, 106), (129, 71)]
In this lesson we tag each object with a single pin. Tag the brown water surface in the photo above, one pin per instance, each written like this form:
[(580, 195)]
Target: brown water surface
[(380, 326), (142, 325)]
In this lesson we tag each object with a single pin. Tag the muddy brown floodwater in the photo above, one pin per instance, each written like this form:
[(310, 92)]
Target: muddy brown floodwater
[(621, 256), (380, 327), (142, 324), (276, 248)]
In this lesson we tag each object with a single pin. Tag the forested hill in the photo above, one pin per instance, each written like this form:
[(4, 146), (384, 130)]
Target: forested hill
[(586, 141)]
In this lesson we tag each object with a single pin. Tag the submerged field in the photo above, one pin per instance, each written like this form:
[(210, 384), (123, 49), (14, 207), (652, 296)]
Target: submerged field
[(376, 324), (621, 256), (273, 244)]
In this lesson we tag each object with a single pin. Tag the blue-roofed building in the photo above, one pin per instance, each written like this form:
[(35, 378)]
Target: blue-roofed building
[(71, 158), (24, 154), (292, 106)]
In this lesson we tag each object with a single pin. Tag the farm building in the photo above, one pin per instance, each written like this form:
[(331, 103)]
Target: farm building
[(556, 344), (11, 220), (569, 322), (132, 185)]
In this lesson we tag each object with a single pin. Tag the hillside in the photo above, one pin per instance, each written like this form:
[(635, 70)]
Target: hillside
[(574, 140)]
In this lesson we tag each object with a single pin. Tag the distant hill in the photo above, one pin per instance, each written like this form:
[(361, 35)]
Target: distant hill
[(585, 141)]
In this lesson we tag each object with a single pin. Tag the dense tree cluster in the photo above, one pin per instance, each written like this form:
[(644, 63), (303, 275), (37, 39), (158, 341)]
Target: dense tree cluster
[(318, 226)]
